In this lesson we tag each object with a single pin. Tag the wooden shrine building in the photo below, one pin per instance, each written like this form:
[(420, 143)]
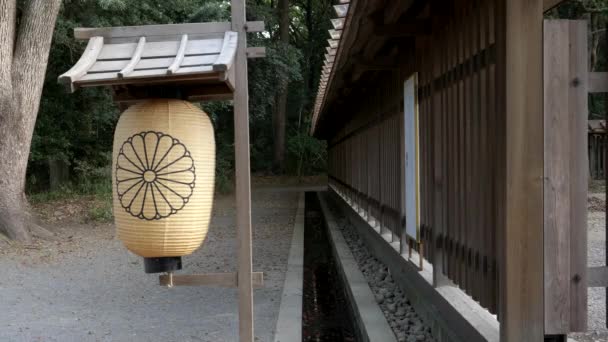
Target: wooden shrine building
[(500, 160)]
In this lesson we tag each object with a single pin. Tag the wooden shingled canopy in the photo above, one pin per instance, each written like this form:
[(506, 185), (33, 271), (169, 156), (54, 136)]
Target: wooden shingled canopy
[(193, 60)]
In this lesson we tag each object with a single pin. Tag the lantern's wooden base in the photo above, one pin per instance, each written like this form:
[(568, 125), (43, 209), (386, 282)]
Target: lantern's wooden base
[(210, 279), (163, 264)]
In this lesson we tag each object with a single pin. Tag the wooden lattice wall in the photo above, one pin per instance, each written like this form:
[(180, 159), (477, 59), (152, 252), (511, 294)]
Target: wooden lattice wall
[(493, 150), (459, 143)]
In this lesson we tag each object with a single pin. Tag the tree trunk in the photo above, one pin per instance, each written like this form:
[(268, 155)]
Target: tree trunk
[(24, 52), (280, 111)]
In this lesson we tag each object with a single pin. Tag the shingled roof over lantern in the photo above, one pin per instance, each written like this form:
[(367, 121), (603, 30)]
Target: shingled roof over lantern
[(183, 55)]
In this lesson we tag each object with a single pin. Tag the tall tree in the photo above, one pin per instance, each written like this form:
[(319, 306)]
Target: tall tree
[(25, 41), (280, 109)]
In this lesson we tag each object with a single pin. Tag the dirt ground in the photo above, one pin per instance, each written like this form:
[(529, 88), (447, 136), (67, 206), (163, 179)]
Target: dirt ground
[(86, 286)]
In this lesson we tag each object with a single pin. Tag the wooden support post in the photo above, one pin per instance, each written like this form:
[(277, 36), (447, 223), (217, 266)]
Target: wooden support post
[(520, 79), (243, 182), (557, 176), (229, 279), (566, 172)]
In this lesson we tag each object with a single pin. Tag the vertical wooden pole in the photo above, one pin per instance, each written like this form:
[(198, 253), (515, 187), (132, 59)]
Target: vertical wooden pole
[(579, 173), (557, 176), (566, 71), (520, 79), (243, 182)]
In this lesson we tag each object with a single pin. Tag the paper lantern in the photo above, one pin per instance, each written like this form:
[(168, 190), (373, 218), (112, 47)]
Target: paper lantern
[(163, 180)]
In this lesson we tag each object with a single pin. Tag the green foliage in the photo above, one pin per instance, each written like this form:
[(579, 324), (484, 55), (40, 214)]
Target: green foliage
[(307, 155), (101, 211)]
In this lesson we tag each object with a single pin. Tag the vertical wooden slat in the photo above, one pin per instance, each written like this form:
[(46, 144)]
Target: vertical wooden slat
[(467, 157), (494, 137), (445, 115), (579, 171), (402, 149), (484, 180), (520, 55), (447, 90), (474, 160), (451, 155), (379, 173), (557, 177), (460, 149), (436, 170), (439, 162), (370, 155), (243, 186), (428, 205)]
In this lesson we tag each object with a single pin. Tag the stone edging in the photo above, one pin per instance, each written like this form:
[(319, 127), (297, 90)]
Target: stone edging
[(371, 322), (289, 322)]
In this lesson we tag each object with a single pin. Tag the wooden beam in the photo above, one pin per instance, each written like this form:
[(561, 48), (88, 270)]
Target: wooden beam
[(549, 4), (442, 9), (226, 58), (134, 59), (410, 28), (598, 82), (209, 279), (179, 57), (209, 93), (566, 173), (337, 23), (131, 94), (341, 10), (520, 77), (162, 30), (86, 61), (157, 78), (242, 175), (256, 52), (255, 26), (557, 176), (579, 173)]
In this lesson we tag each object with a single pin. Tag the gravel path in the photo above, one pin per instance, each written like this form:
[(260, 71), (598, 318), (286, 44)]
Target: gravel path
[(596, 227), (406, 324), (86, 287)]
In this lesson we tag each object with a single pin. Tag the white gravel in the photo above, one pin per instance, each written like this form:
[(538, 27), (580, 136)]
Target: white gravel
[(87, 287), (401, 316), (596, 256)]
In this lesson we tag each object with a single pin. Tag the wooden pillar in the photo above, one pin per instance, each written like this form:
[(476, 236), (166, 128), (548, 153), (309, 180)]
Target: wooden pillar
[(579, 173), (520, 79), (243, 182), (566, 164)]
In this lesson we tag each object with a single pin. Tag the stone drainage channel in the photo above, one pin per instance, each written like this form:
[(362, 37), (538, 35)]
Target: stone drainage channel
[(324, 313), (326, 310)]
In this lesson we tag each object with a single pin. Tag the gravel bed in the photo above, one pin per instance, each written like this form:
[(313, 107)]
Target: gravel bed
[(401, 316), (596, 252), (87, 287)]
